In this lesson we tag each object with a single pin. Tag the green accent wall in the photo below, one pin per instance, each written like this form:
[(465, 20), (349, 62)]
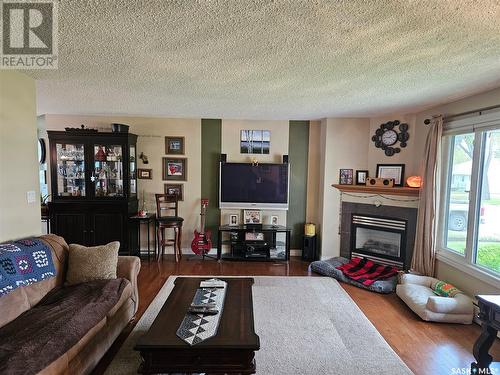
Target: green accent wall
[(210, 153), (298, 152)]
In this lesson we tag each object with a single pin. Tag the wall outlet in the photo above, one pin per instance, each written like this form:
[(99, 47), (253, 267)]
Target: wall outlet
[(31, 196)]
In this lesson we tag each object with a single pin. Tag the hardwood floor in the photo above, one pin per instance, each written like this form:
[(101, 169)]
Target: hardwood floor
[(426, 348)]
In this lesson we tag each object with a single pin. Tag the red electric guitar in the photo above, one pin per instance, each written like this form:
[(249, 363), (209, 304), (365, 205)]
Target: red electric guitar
[(202, 243)]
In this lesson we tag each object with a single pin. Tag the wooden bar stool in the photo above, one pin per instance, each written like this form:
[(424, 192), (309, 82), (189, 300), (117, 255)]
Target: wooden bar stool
[(166, 203)]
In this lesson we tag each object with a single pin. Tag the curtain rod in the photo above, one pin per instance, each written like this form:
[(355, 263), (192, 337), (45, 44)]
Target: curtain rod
[(450, 117)]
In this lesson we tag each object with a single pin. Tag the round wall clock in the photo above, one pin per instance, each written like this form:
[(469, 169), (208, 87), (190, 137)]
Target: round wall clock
[(389, 134)]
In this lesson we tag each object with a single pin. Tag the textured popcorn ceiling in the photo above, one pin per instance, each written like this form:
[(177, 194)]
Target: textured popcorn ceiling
[(269, 59)]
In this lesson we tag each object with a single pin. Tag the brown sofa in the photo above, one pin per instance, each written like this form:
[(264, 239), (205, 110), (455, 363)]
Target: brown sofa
[(86, 353)]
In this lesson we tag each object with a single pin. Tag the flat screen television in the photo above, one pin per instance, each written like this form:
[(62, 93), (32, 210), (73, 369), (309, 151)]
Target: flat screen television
[(244, 185)]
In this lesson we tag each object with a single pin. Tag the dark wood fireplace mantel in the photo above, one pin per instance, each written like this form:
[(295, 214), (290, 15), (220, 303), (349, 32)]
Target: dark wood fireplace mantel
[(405, 191)]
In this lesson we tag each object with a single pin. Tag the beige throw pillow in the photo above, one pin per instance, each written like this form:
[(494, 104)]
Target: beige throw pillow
[(92, 263)]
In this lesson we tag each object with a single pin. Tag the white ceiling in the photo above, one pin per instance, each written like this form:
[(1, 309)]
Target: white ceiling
[(294, 59)]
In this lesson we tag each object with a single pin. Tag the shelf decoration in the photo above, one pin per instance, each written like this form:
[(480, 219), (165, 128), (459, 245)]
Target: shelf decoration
[(394, 171), (414, 181), (346, 177)]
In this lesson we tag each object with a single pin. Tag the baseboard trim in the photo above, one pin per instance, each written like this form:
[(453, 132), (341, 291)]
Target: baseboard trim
[(213, 251)]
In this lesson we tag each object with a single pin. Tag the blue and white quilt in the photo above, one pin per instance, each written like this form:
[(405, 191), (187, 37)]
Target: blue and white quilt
[(24, 262)]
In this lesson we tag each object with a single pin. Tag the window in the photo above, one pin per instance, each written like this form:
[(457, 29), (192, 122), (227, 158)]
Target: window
[(471, 208), (488, 238), (459, 176)]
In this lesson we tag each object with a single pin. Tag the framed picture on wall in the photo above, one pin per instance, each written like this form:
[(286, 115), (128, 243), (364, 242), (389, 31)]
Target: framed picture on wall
[(174, 145), (395, 171), (361, 177), (145, 174), (345, 177), (174, 169), (175, 189), (255, 141)]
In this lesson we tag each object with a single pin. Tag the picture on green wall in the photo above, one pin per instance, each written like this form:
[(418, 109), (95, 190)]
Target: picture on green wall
[(255, 142)]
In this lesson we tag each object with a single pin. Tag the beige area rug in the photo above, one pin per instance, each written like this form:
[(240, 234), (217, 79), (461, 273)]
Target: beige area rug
[(307, 325)]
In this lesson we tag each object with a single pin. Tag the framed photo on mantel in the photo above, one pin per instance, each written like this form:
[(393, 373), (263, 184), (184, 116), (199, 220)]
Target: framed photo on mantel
[(346, 177), (395, 171)]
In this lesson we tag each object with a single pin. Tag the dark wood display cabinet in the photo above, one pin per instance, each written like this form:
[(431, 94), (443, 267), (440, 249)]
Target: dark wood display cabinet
[(93, 187)]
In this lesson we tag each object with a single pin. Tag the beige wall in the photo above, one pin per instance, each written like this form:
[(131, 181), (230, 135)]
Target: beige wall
[(344, 144), (18, 157), (230, 145), (151, 141)]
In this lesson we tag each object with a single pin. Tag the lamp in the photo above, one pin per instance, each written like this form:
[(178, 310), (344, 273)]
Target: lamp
[(414, 181)]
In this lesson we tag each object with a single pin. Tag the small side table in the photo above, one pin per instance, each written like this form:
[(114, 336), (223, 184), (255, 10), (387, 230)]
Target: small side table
[(147, 219), (489, 314)]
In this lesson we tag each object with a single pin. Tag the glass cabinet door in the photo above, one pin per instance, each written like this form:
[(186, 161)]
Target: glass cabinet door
[(107, 175), (133, 172), (70, 170)]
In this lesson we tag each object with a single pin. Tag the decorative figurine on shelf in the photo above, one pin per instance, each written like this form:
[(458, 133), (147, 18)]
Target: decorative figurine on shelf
[(143, 212), (100, 154), (111, 155)]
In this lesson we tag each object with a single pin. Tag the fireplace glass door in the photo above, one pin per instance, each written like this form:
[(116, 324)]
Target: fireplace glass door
[(381, 239), (378, 242)]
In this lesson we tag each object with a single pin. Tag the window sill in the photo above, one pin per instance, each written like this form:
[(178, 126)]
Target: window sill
[(473, 270)]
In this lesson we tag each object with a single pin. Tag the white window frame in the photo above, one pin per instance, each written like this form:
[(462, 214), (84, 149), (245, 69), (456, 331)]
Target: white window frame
[(478, 125)]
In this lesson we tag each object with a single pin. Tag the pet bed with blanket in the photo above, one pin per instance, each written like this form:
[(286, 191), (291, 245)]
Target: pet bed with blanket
[(329, 268)]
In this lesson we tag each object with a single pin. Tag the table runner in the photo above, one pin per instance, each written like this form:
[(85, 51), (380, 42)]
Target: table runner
[(196, 328)]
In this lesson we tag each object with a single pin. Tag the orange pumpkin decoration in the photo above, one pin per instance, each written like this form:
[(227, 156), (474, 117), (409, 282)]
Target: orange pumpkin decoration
[(414, 181)]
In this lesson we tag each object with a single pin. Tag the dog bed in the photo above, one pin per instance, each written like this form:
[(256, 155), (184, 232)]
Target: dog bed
[(329, 268)]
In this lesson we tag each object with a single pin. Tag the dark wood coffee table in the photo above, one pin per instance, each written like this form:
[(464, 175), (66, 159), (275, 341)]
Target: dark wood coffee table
[(231, 350)]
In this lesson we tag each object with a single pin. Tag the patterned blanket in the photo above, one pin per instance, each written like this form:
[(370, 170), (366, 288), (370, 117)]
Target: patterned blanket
[(365, 271), (24, 262)]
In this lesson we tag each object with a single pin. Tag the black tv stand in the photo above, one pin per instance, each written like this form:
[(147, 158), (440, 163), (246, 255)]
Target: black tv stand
[(255, 242)]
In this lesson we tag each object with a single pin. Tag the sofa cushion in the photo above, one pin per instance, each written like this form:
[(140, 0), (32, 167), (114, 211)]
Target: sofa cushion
[(92, 263), (125, 296), (47, 331), (21, 299)]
